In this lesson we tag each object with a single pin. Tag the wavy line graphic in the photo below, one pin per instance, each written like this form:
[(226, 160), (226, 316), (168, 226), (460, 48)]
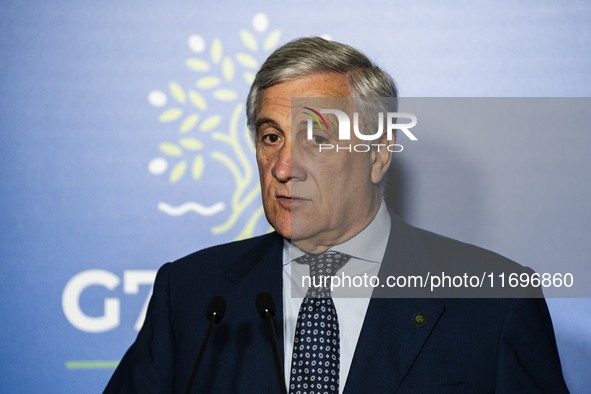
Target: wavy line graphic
[(191, 207)]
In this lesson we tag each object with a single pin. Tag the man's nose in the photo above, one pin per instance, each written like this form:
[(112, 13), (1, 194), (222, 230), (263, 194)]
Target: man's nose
[(287, 166)]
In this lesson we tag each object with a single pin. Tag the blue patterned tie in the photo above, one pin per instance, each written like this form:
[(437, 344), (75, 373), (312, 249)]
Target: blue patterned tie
[(315, 359)]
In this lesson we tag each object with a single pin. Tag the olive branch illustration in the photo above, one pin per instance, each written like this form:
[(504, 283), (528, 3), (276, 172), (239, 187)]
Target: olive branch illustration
[(218, 77)]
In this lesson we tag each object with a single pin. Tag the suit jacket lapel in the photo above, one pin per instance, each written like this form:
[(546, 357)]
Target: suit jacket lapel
[(263, 258), (260, 270), (394, 329), (389, 343)]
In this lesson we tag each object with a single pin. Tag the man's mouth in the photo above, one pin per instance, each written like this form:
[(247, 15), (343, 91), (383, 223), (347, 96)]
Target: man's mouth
[(287, 201)]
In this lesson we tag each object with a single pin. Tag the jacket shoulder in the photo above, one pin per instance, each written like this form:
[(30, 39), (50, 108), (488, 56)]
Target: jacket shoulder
[(230, 248), (228, 256), (449, 250)]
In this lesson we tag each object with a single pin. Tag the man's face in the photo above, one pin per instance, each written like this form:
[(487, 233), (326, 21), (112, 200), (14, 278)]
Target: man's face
[(316, 199)]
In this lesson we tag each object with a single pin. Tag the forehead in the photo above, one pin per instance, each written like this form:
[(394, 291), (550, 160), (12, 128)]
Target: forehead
[(278, 96)]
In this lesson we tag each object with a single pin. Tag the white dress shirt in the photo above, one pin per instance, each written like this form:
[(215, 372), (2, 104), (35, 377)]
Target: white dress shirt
[(367, 250)]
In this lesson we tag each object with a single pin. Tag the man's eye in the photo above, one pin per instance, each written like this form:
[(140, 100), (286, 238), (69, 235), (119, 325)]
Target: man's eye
[(270, 138), (319, 139)]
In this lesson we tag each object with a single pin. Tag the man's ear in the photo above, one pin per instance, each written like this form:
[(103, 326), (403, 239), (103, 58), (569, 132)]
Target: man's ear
[(380, 159)]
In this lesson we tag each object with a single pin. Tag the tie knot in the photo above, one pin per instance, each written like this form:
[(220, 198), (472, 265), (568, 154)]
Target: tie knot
[(325, 264)]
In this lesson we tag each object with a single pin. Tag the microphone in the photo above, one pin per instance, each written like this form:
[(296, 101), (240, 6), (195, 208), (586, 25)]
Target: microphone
[(214, 313), (266, 309)]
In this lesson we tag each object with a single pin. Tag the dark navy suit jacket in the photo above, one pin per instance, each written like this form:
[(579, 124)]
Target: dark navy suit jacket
[(475, 345)]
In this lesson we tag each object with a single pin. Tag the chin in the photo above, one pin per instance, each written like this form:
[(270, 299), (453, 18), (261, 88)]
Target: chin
[(282, 225), (285, 233), (299, 233)]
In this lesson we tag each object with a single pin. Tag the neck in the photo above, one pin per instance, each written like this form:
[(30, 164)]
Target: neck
[(322, 242)]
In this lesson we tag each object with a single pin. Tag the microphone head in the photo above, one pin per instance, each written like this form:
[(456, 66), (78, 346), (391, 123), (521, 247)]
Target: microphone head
[(265, 305), (216, 309)]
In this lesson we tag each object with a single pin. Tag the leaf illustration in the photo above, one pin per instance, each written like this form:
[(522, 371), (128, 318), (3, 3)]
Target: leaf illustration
[(216, 50), (211, 123), (228, 68), (248, 40), (272, 40), (170, 115), (208, 82), (191, 143), (246, 60), (197, 100), (170, 149), (178, 171), (248, 77), (197, 168), (189, 123), (197, 64), (177, 92), (225, 94)]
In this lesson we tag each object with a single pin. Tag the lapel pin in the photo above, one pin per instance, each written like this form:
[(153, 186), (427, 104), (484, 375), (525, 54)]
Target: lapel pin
[(419, 319)]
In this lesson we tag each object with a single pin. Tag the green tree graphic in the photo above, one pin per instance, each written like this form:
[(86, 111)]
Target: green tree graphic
[(219, 77)]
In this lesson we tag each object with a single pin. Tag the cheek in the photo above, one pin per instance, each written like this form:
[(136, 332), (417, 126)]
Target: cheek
[(263, 161), (347, 178), (265, 175), (262, 164)]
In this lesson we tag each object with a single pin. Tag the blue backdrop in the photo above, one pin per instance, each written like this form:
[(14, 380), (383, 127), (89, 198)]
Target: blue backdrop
[(123, 146)]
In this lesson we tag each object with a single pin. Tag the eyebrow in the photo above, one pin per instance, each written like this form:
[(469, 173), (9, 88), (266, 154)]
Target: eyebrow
[(262, 121)]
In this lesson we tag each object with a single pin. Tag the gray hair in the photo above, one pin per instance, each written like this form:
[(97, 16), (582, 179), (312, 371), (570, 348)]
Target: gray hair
[(315, 55)]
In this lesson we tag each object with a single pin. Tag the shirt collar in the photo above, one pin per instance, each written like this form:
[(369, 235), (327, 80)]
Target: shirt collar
[(369, 245)]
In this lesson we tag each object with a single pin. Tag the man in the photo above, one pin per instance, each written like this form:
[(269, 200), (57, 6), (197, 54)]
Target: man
[(327, 210)]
